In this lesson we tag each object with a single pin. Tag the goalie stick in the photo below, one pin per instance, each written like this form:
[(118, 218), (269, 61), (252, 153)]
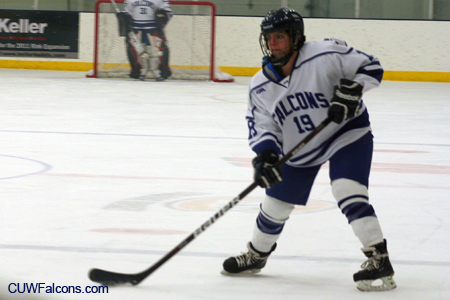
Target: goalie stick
[(112, 278)]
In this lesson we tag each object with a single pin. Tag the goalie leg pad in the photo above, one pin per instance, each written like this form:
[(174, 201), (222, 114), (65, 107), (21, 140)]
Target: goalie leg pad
[(134, 59), (161, 43)]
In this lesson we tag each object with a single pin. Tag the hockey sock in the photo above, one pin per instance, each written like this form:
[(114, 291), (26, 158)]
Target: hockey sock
[(270, 222), (368, 231), (353, 200)]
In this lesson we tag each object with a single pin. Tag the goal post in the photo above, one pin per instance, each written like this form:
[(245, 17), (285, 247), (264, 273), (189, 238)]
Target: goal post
[(190, 36)]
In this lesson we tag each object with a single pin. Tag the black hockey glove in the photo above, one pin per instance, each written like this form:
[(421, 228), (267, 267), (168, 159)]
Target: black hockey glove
[(346, 101), (161, 18), (125, 23), (266, 175)]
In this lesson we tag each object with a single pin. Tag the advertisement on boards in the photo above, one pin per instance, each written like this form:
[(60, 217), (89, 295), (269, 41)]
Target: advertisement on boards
[(39, 34)]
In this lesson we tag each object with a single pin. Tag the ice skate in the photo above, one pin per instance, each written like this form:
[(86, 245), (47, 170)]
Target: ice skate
[(250, 262), (164, 75), (161, 78), (377, 268)]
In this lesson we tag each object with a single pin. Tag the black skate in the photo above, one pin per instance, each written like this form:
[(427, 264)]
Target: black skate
[(164, 75), (377, 267), (135, 74), (250, 262), (160, 78)]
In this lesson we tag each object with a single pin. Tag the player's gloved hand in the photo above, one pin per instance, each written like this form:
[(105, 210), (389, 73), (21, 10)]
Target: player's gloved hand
[(161, 18), (346, 101), (265, 174), (125, 22)]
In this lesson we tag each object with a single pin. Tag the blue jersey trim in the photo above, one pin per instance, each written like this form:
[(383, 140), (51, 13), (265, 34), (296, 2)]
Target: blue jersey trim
[(266, 145), (375, 73)]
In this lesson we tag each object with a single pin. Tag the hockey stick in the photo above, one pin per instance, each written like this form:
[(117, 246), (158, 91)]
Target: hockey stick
[(112, 278)]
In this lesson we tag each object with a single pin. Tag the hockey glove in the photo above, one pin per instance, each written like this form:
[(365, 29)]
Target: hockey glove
[(125, 23), (346, 101), (161, 18), (265, 174)]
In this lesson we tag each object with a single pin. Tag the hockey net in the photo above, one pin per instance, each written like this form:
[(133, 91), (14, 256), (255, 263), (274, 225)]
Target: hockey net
[(190, 35)]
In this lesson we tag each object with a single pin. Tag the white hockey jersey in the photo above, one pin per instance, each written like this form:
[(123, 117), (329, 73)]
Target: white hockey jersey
[(143, 12), (280, 114)]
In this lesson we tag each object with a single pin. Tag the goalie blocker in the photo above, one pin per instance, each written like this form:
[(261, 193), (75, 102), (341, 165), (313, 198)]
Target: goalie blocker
[(162, 17)]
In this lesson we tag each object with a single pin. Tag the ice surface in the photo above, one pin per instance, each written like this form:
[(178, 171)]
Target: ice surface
[(113, 174)]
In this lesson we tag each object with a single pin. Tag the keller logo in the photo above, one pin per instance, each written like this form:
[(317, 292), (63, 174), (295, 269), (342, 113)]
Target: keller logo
[(23, 26)]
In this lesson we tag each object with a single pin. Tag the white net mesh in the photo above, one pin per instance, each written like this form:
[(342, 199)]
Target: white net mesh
[(189, 35)]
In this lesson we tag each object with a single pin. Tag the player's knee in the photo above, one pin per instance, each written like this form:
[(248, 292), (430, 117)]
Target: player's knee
[(344, 187), (276, 209), (352, 198)]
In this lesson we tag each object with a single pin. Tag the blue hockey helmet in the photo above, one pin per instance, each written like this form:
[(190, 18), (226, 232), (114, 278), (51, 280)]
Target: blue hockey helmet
[(287, 20)]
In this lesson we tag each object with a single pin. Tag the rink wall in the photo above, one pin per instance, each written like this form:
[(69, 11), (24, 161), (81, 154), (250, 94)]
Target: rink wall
[(408, 50)]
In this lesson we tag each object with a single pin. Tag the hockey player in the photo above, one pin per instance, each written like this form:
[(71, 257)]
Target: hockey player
[(148, 17), (300, 84)]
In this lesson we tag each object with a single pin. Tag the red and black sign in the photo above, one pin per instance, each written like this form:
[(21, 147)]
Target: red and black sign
[(39, 34)]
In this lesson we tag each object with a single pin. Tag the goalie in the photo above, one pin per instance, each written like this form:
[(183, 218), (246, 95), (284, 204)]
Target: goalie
[(147, 48)]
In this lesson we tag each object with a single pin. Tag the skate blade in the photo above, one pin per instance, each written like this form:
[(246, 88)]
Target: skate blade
[(243, 273), (387, 283)]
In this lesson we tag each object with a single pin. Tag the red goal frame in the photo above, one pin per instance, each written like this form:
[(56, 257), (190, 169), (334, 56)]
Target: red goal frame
[(213, 34)]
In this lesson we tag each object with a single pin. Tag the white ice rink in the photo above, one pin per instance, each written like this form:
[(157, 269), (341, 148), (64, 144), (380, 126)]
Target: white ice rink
[(113, 174)]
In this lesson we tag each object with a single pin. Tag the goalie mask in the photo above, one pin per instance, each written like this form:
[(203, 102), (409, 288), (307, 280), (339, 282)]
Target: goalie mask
[(286, 20)]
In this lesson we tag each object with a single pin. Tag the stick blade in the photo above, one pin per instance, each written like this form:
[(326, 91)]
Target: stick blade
[(112, 279)]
